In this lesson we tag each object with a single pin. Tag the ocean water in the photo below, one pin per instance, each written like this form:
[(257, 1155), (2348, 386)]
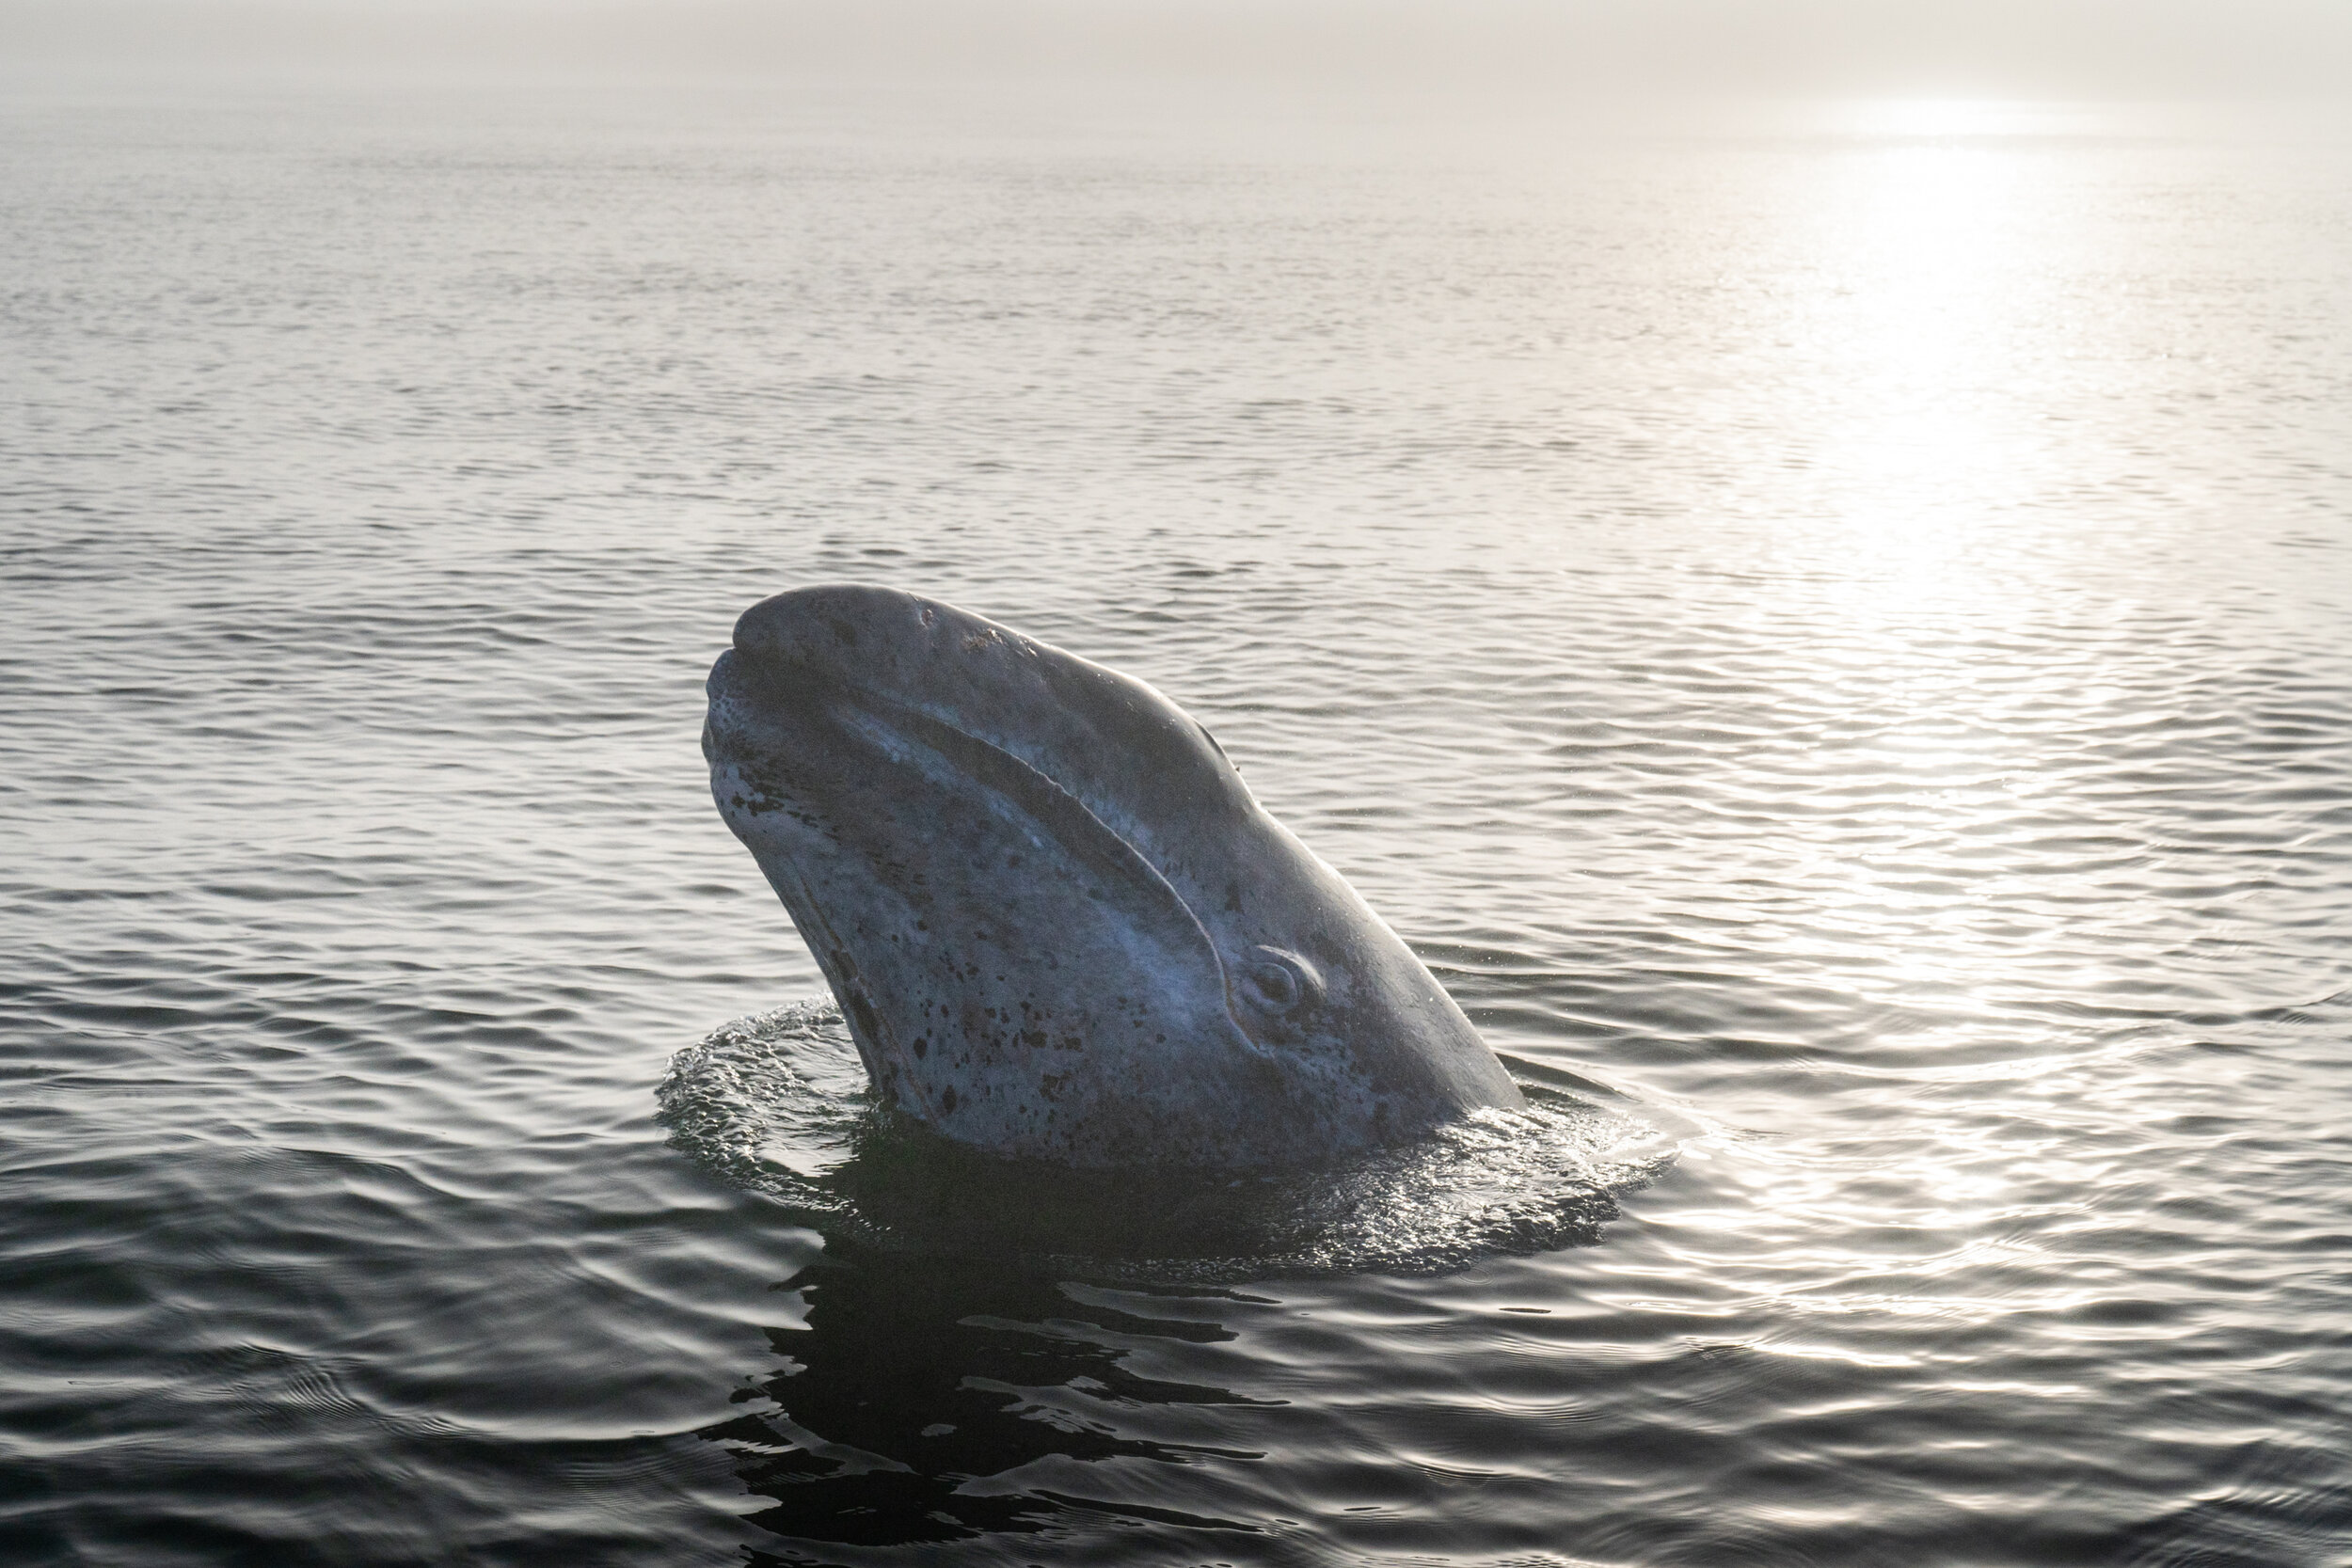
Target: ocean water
[(1831, 632)]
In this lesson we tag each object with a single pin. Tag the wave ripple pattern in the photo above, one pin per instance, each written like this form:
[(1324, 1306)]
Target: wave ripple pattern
[(1841, 639)]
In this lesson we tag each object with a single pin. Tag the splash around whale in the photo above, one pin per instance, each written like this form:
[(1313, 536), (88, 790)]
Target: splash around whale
[(1058, 925)]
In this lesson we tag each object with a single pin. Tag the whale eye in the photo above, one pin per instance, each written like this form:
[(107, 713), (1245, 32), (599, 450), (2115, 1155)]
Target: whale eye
[(1280, 981)]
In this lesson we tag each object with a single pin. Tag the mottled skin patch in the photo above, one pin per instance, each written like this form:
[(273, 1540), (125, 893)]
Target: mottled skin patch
[(1058, 925)]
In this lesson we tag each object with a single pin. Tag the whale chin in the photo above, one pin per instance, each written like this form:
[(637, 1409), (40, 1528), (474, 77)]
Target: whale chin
[(1058, 925)]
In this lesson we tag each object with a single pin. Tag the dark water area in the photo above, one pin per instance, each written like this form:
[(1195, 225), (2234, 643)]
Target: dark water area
[(1832, 636)]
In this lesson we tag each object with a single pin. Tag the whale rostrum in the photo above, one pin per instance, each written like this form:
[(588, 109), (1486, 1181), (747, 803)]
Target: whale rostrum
[(1058, 925)]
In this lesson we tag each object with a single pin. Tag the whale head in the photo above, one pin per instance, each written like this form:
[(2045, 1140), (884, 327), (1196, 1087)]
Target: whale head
[(1058, 925)]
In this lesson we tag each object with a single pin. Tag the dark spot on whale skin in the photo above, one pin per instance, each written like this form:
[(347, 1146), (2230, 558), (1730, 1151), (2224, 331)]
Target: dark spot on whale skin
[(1032, 1036), (948, 1100), (922, 1046), (843, 631), (864, 1012)]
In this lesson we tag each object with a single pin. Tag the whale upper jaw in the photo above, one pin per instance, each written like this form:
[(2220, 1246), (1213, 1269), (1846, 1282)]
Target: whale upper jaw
[(1058, 925)]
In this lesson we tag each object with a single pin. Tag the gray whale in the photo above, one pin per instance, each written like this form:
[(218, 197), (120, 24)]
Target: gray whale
[(1058, 925)]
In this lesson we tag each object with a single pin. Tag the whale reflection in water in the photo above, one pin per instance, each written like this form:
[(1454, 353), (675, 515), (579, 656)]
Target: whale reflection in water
[(910, 1394)]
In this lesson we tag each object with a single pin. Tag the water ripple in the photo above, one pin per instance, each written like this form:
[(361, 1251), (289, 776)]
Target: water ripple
[(1835, 647)]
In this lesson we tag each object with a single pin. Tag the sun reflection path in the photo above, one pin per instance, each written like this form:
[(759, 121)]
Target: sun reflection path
[(1958, 771), (1940, 225)]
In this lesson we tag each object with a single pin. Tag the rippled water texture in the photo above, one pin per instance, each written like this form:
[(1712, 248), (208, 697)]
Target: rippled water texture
[(1835, 640), (781, 1104)]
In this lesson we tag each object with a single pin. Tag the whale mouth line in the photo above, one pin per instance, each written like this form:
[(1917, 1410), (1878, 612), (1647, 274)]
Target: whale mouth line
[(898, 725), (902, 729), (821, 687), (975, 759)]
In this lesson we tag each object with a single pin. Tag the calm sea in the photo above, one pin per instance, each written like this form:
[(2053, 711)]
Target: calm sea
[(1831, 632)]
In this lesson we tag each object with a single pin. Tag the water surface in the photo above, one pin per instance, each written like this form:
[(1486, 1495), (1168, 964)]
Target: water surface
[(1833, 637)]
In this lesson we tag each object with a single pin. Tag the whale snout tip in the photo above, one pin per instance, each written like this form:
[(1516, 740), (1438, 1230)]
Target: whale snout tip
[(837, 621)]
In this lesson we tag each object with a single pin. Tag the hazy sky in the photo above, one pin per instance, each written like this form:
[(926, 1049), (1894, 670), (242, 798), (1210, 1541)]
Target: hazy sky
[(1989, 47)]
